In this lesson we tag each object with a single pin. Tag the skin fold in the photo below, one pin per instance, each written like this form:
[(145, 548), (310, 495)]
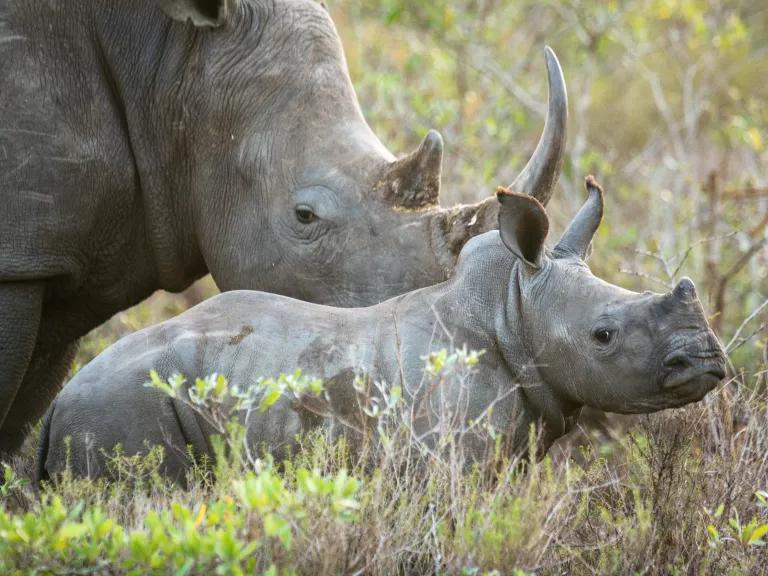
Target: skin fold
[(555, 338)]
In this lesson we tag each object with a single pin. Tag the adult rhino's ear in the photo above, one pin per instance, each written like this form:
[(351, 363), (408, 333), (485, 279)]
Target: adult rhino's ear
[(200, 12), (577, 238), (523, 225)]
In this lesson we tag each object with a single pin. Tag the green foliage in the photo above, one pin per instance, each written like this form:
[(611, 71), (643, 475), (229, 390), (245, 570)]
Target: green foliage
[(214, 391), (753, 533), (296, 384), (245, 534), (441, 362), (11, 483), (678, 494)]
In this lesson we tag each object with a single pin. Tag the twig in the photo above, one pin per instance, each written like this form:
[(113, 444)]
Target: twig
[(658, 257), (645, 276), (697, 243), (747, 320), (752, 334)]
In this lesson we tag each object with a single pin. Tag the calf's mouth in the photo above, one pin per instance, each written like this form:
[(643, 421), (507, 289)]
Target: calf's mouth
[(693, 370)]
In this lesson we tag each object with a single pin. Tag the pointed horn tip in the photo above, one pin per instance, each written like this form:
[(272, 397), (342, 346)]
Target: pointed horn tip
[(503, 193), (552, 61), (433, 141), (591, 183)]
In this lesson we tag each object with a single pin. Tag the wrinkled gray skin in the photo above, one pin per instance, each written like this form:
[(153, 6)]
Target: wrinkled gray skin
[(139, 151), (556, 338)]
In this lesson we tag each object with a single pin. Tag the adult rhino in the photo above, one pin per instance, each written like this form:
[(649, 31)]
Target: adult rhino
[(144, 143), (555, 337)]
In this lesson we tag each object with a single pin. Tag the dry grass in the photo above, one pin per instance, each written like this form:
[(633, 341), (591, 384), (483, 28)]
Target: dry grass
[(679, 493)]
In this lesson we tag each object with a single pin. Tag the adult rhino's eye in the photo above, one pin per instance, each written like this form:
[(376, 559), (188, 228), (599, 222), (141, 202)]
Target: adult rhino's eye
[(603, 335), (305, 215)]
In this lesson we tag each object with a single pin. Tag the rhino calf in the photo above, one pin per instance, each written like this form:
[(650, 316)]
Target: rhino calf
[(555, 337)]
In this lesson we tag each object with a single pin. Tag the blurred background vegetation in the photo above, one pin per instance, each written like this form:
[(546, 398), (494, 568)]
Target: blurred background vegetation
[(667, 108)]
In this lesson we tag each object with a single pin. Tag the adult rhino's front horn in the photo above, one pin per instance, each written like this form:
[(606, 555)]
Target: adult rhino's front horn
[(537, 179), (540, 175)]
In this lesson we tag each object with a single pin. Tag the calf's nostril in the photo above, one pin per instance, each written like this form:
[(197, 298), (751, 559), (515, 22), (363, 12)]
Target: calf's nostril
[(677, 361), (718, 372)]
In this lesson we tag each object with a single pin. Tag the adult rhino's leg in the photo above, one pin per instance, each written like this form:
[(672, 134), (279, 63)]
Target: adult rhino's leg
[(47, 370), (21, 306)]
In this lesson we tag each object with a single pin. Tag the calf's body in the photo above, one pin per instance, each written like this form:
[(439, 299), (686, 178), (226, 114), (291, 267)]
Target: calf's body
[(555, 338), (246, 334)]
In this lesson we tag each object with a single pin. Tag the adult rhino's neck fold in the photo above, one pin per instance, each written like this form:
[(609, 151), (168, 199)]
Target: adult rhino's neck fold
[(452, 228), (143, 64)]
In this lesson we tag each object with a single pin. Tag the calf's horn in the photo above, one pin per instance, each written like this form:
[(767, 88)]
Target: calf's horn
[(577, 237)]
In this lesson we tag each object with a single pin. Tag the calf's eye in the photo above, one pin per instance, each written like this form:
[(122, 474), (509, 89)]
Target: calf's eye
[(603, 335), (305, 215)]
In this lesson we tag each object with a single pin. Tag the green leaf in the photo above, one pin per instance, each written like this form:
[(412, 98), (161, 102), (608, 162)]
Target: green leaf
[(713, 533), (757, 535), (270, 397), (275, 525), (185, 568)]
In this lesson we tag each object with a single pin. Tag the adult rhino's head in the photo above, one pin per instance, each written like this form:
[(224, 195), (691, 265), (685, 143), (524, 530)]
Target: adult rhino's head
[(595, 343), (291, 191)]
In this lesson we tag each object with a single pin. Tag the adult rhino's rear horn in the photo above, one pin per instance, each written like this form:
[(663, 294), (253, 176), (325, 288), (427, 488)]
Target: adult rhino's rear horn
[(414, 181), (540, 175)]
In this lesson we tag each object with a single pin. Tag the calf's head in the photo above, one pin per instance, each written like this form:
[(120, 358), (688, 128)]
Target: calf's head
[(292, 191), (597, 344)]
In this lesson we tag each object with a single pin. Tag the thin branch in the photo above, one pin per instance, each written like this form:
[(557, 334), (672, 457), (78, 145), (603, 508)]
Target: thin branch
[(645, 276), (747, 320), (698, 243), (745, 257)]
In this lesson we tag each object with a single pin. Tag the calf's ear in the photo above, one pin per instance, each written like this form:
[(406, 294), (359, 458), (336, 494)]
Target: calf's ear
[(201, 12), (523, 225)]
